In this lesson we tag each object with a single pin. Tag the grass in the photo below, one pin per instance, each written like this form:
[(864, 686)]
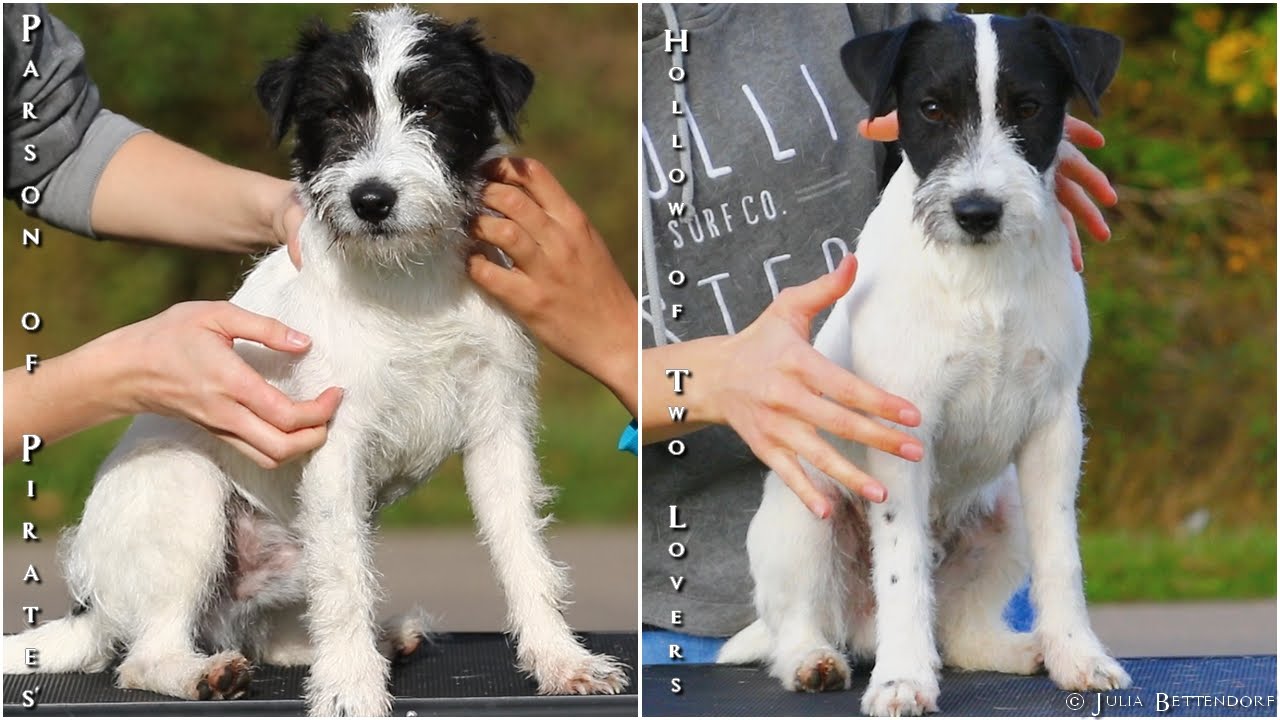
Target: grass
[(1132, 566)]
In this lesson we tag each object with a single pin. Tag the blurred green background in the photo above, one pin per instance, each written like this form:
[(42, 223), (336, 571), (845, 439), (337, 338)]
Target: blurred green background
[(187, 71), (1178, 498)]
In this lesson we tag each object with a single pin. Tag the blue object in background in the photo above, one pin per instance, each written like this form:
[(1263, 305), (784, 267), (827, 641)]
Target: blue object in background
[(696, 649), (630, 440)]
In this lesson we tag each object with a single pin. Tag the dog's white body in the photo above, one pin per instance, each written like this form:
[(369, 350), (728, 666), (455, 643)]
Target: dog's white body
[(989, 341), (429, 367)]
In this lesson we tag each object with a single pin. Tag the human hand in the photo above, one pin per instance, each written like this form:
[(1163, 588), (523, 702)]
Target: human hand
[(181, 363), (1076, 180), (775, 389), (285, 221), (564, 285)]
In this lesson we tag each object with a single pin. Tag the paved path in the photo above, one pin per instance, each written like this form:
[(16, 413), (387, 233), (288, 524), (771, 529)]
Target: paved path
[(448, 573)]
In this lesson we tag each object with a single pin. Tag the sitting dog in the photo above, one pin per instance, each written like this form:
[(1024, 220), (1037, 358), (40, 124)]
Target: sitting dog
[(966, 304), (194, 559)]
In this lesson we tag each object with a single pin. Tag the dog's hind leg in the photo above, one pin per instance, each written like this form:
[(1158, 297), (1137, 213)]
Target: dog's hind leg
[(502, 480), (800, 578), (986, 564), (148, 556)]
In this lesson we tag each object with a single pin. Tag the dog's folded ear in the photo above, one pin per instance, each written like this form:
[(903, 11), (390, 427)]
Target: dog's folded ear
[(1090, 56), (276, 85), (871, 61), (510, 82)]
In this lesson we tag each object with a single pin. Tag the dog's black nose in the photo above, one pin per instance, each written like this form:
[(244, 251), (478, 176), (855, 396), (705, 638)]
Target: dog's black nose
[(977, 214), (373, 200)]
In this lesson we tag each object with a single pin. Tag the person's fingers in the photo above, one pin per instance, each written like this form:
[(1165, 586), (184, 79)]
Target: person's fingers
[(286, 414), (854, 426), (1083, 134), (1074, 199), (845, 388), (268, 441), (236, 322), (810, 446), (793, 475), (293, 216), (504, 284), (880, 129), (815, 296), (517, 206), (535, 179), (507, 236), (1077, 254), (1073, 165)]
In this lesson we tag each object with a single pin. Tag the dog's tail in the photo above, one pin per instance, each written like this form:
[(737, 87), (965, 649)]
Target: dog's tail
[(750, 645), (75, 643)]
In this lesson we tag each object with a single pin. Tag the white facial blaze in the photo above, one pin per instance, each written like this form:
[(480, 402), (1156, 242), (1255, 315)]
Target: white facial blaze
[(987, 56), (988, 163), (397, 153)]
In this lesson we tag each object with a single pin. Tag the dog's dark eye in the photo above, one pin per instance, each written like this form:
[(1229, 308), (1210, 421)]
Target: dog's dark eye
[(1027, 109), (426, 110), (338, 112), (932, 111)]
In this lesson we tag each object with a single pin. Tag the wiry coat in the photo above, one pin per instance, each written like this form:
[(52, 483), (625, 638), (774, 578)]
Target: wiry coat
[(194, 558), (966, 303)]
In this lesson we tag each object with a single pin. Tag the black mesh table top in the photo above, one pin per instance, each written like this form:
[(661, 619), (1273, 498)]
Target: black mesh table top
[(1193, 686), (459, 674)]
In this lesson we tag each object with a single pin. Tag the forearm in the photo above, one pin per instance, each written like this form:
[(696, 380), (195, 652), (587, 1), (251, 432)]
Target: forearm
[(156, 190), (702, 359), (65, 395)]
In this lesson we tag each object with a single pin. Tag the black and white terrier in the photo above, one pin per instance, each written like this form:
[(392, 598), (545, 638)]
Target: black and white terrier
[(966, 304), (197, 561)]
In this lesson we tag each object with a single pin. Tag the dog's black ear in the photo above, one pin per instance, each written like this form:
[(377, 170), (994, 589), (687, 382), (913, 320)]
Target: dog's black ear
[(1090, 56), (275, 92), (278, 82), (511, 83), (871, 61)]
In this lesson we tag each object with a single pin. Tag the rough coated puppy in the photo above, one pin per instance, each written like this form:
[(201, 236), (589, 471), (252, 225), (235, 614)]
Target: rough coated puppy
[(197, 561), (966, 304)]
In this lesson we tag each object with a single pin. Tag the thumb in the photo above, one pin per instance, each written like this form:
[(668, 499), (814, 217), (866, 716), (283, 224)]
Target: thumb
[(236, 322), (814, 297)]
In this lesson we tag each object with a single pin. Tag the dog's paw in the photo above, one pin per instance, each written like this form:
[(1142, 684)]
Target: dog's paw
[(226, 677), (402, 636), (1079, 662), (1003, 651), (900, 697), (349, 704), (587, 675), (821, 670), (353, 684)]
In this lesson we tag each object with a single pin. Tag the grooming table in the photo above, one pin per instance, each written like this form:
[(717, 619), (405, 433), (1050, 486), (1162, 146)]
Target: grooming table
[(459, 674), (750, 691)]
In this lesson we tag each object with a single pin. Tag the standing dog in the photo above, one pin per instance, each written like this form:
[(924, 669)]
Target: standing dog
[(186, 548), (966, 304)]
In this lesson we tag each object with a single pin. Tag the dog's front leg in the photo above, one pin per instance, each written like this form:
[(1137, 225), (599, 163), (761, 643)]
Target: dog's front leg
[(349, 675), (502, 480), (1048, 473), (905, 678)]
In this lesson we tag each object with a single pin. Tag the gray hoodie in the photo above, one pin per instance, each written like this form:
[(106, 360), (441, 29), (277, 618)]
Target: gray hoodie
[(72, 136), (779, 184)]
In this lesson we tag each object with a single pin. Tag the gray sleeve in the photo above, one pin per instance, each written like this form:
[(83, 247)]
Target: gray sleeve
[(71, 135), (874, 17)]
